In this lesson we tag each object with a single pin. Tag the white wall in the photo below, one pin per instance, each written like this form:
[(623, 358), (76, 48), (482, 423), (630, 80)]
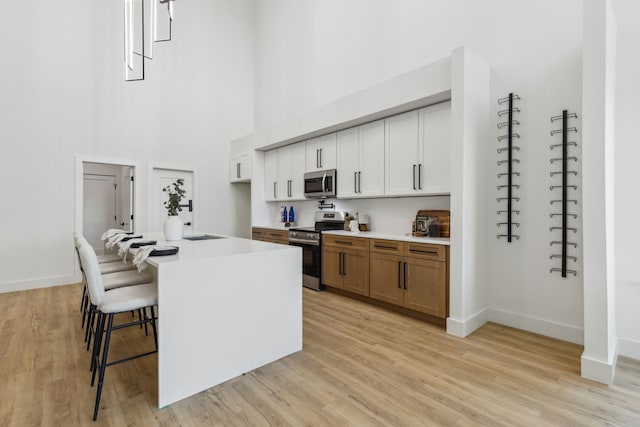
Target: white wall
[(627, 195), (310, 53), (63, 93)]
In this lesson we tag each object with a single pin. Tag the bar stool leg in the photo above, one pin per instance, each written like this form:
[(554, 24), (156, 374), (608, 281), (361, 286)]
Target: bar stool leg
[(103, 366)]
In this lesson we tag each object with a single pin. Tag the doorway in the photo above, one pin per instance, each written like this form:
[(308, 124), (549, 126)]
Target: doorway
[(161, 178), (105, 197)]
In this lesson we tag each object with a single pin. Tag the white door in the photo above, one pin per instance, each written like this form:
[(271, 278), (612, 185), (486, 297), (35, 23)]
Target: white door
[(371, 164), (347, 184), (271, 190), (163, 178), (435, 149), (99, 208), (401, 154)]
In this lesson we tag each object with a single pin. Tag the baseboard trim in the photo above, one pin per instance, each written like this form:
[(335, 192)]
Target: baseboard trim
[(43, 282), (462, 328), (597, 370), (629, 348), (536, 325)]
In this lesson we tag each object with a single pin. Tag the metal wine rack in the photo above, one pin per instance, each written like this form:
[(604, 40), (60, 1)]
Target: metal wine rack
[(564, 199), (505, 213)]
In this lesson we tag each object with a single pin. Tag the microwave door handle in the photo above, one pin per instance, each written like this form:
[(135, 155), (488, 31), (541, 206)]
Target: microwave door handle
[(324, 179)]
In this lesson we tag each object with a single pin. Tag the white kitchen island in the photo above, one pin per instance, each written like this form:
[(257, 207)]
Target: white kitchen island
[(226, 306)]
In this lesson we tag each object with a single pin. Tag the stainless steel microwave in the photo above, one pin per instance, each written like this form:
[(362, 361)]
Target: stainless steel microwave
[(320, 184)]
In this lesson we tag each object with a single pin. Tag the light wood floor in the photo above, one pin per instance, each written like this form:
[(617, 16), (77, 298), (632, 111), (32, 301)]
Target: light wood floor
[(361, 366)]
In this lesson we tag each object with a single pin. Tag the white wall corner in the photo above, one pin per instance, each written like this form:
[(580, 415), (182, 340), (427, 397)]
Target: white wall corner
[(597, 370), (463, 328)]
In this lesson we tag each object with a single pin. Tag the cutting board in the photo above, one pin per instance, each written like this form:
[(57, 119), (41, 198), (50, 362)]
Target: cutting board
[(444, 218)]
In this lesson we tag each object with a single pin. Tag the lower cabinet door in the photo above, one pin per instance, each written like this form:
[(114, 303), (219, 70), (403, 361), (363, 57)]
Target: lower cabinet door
[(386, 278), (331, 267), (355, 271), (426, 286)]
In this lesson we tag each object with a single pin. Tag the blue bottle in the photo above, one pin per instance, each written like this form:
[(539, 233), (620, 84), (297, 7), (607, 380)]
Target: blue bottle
[(284, 214), (292, 215)]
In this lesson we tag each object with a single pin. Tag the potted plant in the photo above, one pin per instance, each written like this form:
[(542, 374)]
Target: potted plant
[(173, 226)]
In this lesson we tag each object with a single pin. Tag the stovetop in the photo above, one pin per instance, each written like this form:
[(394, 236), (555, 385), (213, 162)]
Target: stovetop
[(325, 221)]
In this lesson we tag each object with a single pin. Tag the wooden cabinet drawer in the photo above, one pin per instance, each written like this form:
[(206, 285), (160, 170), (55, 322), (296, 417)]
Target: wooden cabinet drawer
[(425, 251), (345, 242), (270, 235), (392, 247)]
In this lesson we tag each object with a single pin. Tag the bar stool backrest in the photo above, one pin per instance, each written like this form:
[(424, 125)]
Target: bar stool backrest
[(92, 273)]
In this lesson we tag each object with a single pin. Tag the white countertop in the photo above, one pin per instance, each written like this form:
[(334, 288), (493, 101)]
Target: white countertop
[(215, 248), (388, 236), (280, 226)]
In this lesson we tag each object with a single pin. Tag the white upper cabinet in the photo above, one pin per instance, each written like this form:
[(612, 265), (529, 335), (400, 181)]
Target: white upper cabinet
[(284, 173), (271, 175), (401, 154), (291, 164), (434, 133), (240, 168), (361, 161), (321, 153), (417, 151)]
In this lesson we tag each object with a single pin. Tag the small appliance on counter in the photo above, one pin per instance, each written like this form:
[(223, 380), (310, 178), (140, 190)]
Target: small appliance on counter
[(431, 223)]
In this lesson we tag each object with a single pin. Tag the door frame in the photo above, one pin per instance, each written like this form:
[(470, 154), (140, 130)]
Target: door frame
[(152, 166), (80, 159)]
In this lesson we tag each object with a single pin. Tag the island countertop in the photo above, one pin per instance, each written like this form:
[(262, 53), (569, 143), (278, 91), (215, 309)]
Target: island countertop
[(214, 248)]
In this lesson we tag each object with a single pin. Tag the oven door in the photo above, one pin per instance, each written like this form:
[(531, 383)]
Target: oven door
[(310, 264)]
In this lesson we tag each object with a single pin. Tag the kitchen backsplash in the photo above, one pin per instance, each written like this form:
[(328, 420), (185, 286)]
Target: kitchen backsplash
[(388, 215)]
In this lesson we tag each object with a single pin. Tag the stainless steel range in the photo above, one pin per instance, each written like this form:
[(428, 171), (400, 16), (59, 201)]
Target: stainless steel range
[(310, 240)]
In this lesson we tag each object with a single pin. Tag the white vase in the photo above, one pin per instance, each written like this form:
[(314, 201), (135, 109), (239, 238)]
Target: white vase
[(173, 228)]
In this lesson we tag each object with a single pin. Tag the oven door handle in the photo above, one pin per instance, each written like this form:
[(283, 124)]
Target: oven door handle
[(303, 242)]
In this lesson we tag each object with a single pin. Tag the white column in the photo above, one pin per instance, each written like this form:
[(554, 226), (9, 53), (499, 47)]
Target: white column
[(598, 143)]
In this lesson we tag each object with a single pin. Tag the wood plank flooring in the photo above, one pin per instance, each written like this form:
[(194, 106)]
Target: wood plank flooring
[(361, 366)]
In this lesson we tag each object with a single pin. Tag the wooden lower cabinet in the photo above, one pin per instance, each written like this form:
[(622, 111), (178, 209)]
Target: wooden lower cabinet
[(272, 235), (386, 282), (411, 275), (345, 264)]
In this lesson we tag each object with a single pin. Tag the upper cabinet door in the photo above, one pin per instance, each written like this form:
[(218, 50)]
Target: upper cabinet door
[(434, 170), (370, 177), (401, 154), (321, 153), (240, 168), (271, 175), (291, 164), (348, 152)]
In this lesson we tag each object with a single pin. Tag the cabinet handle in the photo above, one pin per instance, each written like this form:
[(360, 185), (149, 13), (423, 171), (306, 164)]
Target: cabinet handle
[(405, 275), (238, 170), (391, 248), (359, 182), (419, 176), (274, 190), (423, 252), (340, 263), (339, 242), (344, 264), (289, 188), (355, 180), (399, 274), (414, 177), (320, 157)]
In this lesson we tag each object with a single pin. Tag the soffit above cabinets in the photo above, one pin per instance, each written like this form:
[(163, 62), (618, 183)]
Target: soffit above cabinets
[(423, 86)]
